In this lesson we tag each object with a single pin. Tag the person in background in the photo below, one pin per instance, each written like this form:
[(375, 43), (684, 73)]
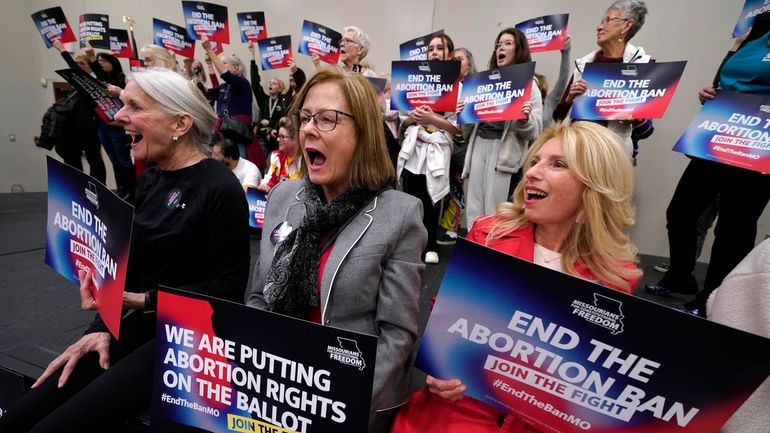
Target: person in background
[(226, 152), (551, 98), (423, 162), (296, 81), (234, 95), (155, 56), (273, 104), (354, 46), (352, 256), (569, 213), (454, 209), (113, 138), (80, 133), (496, 150), (743, 194), (620, 23), (285, 162), (742, 301), (100, 382)]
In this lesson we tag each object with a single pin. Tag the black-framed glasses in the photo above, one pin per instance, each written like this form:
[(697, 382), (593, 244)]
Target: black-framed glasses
[(345, 41), (324, 120)]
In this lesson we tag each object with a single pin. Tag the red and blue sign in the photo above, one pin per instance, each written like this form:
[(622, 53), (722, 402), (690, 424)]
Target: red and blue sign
[(433, 83), (320, 40), (733, 128), (173, 37), (212, 372), (624, 91), (95, 30), (252, 26), (120, 44), (257, 204), (106, 105), (572, 356), (275, 52), (206, 19), (53, 25), (545, 33), (751, 8), (417, 48), (88, 226), (497, 94)]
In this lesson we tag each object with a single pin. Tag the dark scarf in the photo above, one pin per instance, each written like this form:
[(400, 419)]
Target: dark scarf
[(290, 286)]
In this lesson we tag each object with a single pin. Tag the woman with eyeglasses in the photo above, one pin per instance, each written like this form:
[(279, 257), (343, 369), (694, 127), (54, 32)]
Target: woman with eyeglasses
[(343, 247), (620, 22), (354, 46), (284, 162), (495, 151)]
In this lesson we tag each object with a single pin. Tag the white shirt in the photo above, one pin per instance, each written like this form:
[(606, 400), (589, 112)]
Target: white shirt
[(247, 173)]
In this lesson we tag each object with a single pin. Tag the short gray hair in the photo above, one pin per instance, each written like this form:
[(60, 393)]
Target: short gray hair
[(635, 10), (469, 56), (176, 95), (361, 38), (233, 59)]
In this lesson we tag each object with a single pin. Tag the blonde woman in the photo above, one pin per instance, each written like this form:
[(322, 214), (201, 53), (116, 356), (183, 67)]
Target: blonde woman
[(568, 213)]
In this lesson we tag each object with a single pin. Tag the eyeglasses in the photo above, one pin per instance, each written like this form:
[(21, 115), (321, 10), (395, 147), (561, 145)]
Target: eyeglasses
[(324, 120), (345, 41), (508, 43), (283, 137), (607, 20)]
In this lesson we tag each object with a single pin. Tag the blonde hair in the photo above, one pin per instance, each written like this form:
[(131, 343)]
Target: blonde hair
[(160, 55), (371, 167), (595, 156)]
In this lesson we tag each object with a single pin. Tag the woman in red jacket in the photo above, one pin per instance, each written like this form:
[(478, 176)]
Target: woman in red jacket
[(568, 213)]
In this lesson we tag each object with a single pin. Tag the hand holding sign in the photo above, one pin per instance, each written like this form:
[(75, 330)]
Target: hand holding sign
[(88, 289), (452, 389)]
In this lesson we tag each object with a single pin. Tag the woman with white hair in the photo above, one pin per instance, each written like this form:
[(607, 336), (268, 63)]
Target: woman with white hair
[(354, 46), (190, 231), (234, 95)]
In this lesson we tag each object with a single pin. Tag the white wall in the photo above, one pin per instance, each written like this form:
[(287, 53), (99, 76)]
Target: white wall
[(694, 30)]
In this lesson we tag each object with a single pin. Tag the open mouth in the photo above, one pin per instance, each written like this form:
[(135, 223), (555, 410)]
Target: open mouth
[(315, 158), (535, 194), (135, 136)]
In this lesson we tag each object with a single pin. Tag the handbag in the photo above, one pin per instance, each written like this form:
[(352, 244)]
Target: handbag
[(235, 129), (232, 127)]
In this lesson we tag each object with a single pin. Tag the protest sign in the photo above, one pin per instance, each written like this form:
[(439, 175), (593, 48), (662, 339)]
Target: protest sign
[(320, 40), (275, 52), (252, 26), (173, 37), (433, 83), (624, 91), (53, 25), (206, 19), (88, 226), (733, 128), (497, 94), (545, 33), (569, 355), (214, 372)]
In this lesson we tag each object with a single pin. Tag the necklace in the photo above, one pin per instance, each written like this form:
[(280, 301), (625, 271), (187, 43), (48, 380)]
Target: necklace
[(542, 252), (271, 104)]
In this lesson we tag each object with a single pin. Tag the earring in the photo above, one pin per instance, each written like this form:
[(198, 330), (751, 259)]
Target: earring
[(174, 138)]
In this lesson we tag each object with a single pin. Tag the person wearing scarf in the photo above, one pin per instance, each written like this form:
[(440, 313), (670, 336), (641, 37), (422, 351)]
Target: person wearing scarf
[(339, 246)]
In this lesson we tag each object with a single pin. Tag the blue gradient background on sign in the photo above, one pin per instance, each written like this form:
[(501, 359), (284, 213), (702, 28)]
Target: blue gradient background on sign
[(487, 287), (329, 57), (556, 42), (184, 47), (248, 30), (744, 22), (521, 78), (276, 62), (450, 74), (661, 76), (697, 142), (221, 35)]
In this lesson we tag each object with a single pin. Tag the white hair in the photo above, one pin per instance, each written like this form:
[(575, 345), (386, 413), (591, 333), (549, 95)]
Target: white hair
[(176, 95), (234, 60), (360, 37)]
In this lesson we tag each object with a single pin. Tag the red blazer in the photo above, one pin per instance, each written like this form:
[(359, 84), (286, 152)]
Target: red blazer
[(428, 413)]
